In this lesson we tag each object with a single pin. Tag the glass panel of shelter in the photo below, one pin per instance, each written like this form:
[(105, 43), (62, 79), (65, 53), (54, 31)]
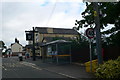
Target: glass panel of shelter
[(59, 53)]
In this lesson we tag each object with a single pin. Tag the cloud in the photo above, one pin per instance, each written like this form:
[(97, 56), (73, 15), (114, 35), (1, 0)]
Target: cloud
[(20, 16)]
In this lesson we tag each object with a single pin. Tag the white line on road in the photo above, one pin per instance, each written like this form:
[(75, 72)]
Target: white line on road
[(60, 73), (4, 68), (38, 68), (66, 75), (27, 63), (31, 65)]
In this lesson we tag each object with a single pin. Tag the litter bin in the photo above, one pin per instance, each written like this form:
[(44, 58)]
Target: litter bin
[(94, 65)]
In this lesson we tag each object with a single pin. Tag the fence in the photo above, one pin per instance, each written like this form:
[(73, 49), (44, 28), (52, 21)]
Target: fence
[(82, 54)]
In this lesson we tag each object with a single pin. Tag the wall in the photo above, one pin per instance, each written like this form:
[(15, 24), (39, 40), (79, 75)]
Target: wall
[(1, 44), (16, 48)]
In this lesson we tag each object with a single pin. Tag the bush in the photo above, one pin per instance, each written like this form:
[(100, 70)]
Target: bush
[(110, 69)]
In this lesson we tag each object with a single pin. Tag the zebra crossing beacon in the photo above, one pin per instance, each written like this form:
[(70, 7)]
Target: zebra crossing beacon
[(90, 35), (58, 52)]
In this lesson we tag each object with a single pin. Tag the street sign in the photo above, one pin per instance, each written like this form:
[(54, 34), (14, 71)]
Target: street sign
[(90, 33), (29, 36)]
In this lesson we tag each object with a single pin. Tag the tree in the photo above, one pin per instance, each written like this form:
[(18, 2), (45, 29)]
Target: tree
[(109, 14)]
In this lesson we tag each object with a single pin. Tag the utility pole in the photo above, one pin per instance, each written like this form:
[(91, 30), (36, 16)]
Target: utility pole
[(98, 34)]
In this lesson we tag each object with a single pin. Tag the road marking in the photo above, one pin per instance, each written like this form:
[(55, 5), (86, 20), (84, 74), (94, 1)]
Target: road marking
[(31, 65), (12, 64), (66, 75), (27, 63), (36, 68), (60, 73), (4, 68)]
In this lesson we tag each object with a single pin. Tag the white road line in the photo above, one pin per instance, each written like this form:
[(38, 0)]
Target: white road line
[(4, 68), (66, 75), (60, 73), (27, 63), (38, 68), (31, 65)]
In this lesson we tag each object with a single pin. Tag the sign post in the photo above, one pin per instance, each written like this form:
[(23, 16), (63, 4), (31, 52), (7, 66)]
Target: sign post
[(90, 55), (30, 37), (90, 35)]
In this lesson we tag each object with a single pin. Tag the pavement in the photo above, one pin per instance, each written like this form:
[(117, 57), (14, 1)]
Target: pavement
[(73, 70)]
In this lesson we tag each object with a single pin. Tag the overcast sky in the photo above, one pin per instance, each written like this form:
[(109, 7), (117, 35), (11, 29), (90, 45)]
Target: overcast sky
[(23, 15)]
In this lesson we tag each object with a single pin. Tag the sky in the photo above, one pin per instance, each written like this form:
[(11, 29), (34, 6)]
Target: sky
[(17, 16)]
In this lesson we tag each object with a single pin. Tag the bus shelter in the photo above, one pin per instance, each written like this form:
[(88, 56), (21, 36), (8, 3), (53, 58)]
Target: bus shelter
[(58, 52)]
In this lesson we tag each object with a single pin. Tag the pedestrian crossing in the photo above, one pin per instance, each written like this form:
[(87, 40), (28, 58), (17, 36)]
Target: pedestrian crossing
[(28, 64), (11, 65), (19, 65)]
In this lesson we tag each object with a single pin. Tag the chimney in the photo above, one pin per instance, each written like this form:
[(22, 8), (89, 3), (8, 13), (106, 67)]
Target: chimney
[(16, 41)]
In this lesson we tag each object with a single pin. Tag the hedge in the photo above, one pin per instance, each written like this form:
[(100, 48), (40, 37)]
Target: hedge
[(110, 69)]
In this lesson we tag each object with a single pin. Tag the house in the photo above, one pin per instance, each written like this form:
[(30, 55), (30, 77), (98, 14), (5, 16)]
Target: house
[(1, 47), (47, 34), (2, 44), (16, 48)]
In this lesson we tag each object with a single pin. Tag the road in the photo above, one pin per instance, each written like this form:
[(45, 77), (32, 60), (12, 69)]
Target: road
[(12, 68)]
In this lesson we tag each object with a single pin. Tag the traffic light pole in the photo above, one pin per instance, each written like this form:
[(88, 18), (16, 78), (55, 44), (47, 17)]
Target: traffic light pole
[(98, 34)]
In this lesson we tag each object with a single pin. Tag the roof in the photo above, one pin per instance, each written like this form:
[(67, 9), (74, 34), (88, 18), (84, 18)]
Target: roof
[(41, 43), (57, 41), (43, 30), (17, 43), (29, 46), (49, 39), (1, 42)]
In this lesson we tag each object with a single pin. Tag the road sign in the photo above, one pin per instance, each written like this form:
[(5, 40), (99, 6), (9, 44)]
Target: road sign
[(90, 33), (29, 36)]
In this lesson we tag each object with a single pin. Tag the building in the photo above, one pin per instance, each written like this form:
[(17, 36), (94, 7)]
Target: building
[(45, 34), (16, 48), (2, 44), (1, 47)]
